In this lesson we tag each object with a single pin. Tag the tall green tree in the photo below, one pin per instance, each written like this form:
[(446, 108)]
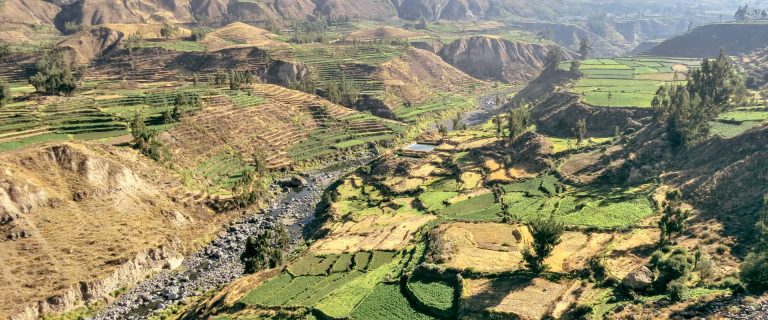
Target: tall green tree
[(518, 121), (553, 59), (5, 93), (585, 48), (546, 235), (754, 269), (687, 110), (53, 75), (580, 131)]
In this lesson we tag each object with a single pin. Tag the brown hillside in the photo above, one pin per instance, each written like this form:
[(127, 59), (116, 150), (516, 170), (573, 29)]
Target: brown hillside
[(96, 12), (242, 35), (417, 75), (268, 129), (706, 41), (468, 9), (494, 58), (80, 221), (366, 9), (100, 40), (381, 33), (29, 12)]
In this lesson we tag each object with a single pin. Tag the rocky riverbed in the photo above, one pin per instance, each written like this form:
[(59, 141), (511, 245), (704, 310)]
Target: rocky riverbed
[(218, 263)]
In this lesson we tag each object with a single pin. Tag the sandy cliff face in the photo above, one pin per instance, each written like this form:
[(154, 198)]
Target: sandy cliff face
[(78, 222), (492, 58)]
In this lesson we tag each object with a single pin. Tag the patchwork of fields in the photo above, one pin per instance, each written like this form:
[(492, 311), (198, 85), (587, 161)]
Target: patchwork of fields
[(628, 82)]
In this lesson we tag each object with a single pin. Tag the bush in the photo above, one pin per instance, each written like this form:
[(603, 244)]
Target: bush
[(754, 272), (677, 290)]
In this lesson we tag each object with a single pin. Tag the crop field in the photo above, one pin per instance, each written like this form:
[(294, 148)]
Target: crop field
[(435, 293), (628, 82), (333, 62), (736, 122), (386, 302), (24, 123), (445, 104), (541, 198), (312, 278)]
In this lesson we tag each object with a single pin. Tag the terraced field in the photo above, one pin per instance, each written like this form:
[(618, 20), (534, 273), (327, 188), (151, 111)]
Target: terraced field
[(736, 122), (65, 119), (628, 82)]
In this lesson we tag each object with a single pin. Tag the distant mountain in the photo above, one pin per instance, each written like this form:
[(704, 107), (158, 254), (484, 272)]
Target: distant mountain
[(706, 41)]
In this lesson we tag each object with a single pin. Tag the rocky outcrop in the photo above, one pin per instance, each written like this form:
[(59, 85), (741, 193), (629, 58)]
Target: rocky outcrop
[(639, 279), (493, 58), (285, 73)]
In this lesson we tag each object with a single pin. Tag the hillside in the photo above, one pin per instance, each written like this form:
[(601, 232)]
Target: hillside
[(81, 221), (493, 58), (706, 41), (468, 9)]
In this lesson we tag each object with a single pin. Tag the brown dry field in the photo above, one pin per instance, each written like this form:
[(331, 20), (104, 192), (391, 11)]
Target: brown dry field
[(523, 297), (372, 232)]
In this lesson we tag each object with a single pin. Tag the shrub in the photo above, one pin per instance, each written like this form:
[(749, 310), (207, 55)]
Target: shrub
[(677, 290), (169, 30), (754, 272), (71, 27)]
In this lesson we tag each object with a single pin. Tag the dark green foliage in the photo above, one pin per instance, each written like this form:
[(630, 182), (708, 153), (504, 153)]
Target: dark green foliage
[(676, 290), (146, 141), (199, 34), (265, 251), (518, 120), (688, 109), (54, 75), (580, 131), (5, 93), (575, 65), (552, 61), (343, 91), (169, 30), (754, 272), (673, 267), (754, 268), (546, 235), (458, 124), (585, 48), (673, 218), (238, 78), (5, 51)]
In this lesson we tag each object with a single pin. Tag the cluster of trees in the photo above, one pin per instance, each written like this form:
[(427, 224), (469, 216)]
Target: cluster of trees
[(687, 110), (673, 217), (553, 59), (198, 34), (343, 91), (266, 250), (309, 31), (754, 269), (183, 103), (54, 74), (145, 140), (235, 79), (518, 121), (72, 27), (746, 13)]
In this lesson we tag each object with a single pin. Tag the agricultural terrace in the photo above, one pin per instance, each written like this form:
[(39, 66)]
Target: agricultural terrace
[(347, 285), (628, 82), (735, 122)]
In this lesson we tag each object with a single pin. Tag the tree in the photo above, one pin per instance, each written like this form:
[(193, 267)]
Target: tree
[(54, 75), (422, 25), (5, 93), (546, 235), (673, 217), (145, 140), (687, 110), (518, 120), (249, 257), (575, 66), (458, 124), (442, 129), (5, 51), (585, 48), (553, 59), (580, 131)]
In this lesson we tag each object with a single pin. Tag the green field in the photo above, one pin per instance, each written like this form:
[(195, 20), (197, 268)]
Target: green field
[(543, 197), (627, 82), (386, 302), (438, 294), (735, 122)]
